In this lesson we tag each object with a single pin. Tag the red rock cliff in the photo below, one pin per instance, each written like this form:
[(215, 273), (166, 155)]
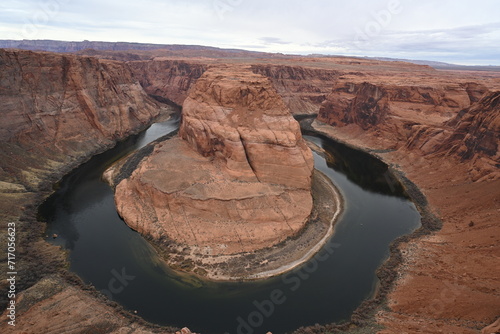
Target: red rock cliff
[(56, 111), (302, 89), (368, 104), (63, 107), (474, 137), (443, 134), (240, 119), (167, 79)]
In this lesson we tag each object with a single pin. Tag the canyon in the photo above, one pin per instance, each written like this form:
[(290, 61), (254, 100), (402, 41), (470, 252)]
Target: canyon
[(236, 180), (440, 129)]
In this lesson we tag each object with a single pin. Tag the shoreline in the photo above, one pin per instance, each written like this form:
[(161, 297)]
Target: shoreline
[(455, 219), (340, 205), (47, 276), (328, 205), (438, 278)]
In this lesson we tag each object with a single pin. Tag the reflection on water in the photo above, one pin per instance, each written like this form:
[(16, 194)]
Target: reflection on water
[(75, 202), (361, 168), (326, 289)]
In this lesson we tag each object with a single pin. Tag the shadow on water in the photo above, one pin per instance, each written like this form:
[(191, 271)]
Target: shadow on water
[(361, 168), (120, 263)]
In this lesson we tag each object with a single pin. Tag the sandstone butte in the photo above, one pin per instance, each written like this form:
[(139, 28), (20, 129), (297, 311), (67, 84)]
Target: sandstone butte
[(438, 127), (237, 180)]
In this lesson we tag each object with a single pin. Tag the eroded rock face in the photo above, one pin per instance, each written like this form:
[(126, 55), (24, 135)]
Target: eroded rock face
[(167, 79), (302, 89), (57, 109), (471, 137), (237, 180), (363, 104), (475, 137), (369, 104), (456, 119), (477, 129), (241, 121)]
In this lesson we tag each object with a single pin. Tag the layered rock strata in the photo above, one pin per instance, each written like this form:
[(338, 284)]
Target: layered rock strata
[(447, 281), (475, 137), (58, 108), (454, 121), (302, 89), (237, 179), (370, 104), (167, 79)]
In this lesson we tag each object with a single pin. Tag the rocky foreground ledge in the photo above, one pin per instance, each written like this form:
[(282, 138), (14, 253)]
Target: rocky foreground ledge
[(232, 196)]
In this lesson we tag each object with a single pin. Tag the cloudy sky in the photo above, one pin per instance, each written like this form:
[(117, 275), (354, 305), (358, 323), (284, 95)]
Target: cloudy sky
[(456, 31)]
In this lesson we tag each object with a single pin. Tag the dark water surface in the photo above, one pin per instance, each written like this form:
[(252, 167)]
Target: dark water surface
[(118, 261)]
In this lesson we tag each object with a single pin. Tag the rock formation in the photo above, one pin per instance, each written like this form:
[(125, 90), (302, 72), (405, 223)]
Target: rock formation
[(302, 89), (363, 104), (62, 107), (57, 111), (240, 119), (369, 104), (237, 180), (430, 120), (476, 136), (168, 80), (471, 137), (452, 155), (38, 310)]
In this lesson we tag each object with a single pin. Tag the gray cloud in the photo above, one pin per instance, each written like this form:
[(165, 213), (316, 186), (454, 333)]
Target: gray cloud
[(273, 40)]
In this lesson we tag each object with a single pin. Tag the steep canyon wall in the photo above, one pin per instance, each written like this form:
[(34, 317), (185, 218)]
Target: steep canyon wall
[(57, 109)]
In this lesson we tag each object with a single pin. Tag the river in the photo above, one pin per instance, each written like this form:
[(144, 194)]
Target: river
[(104, 252)]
